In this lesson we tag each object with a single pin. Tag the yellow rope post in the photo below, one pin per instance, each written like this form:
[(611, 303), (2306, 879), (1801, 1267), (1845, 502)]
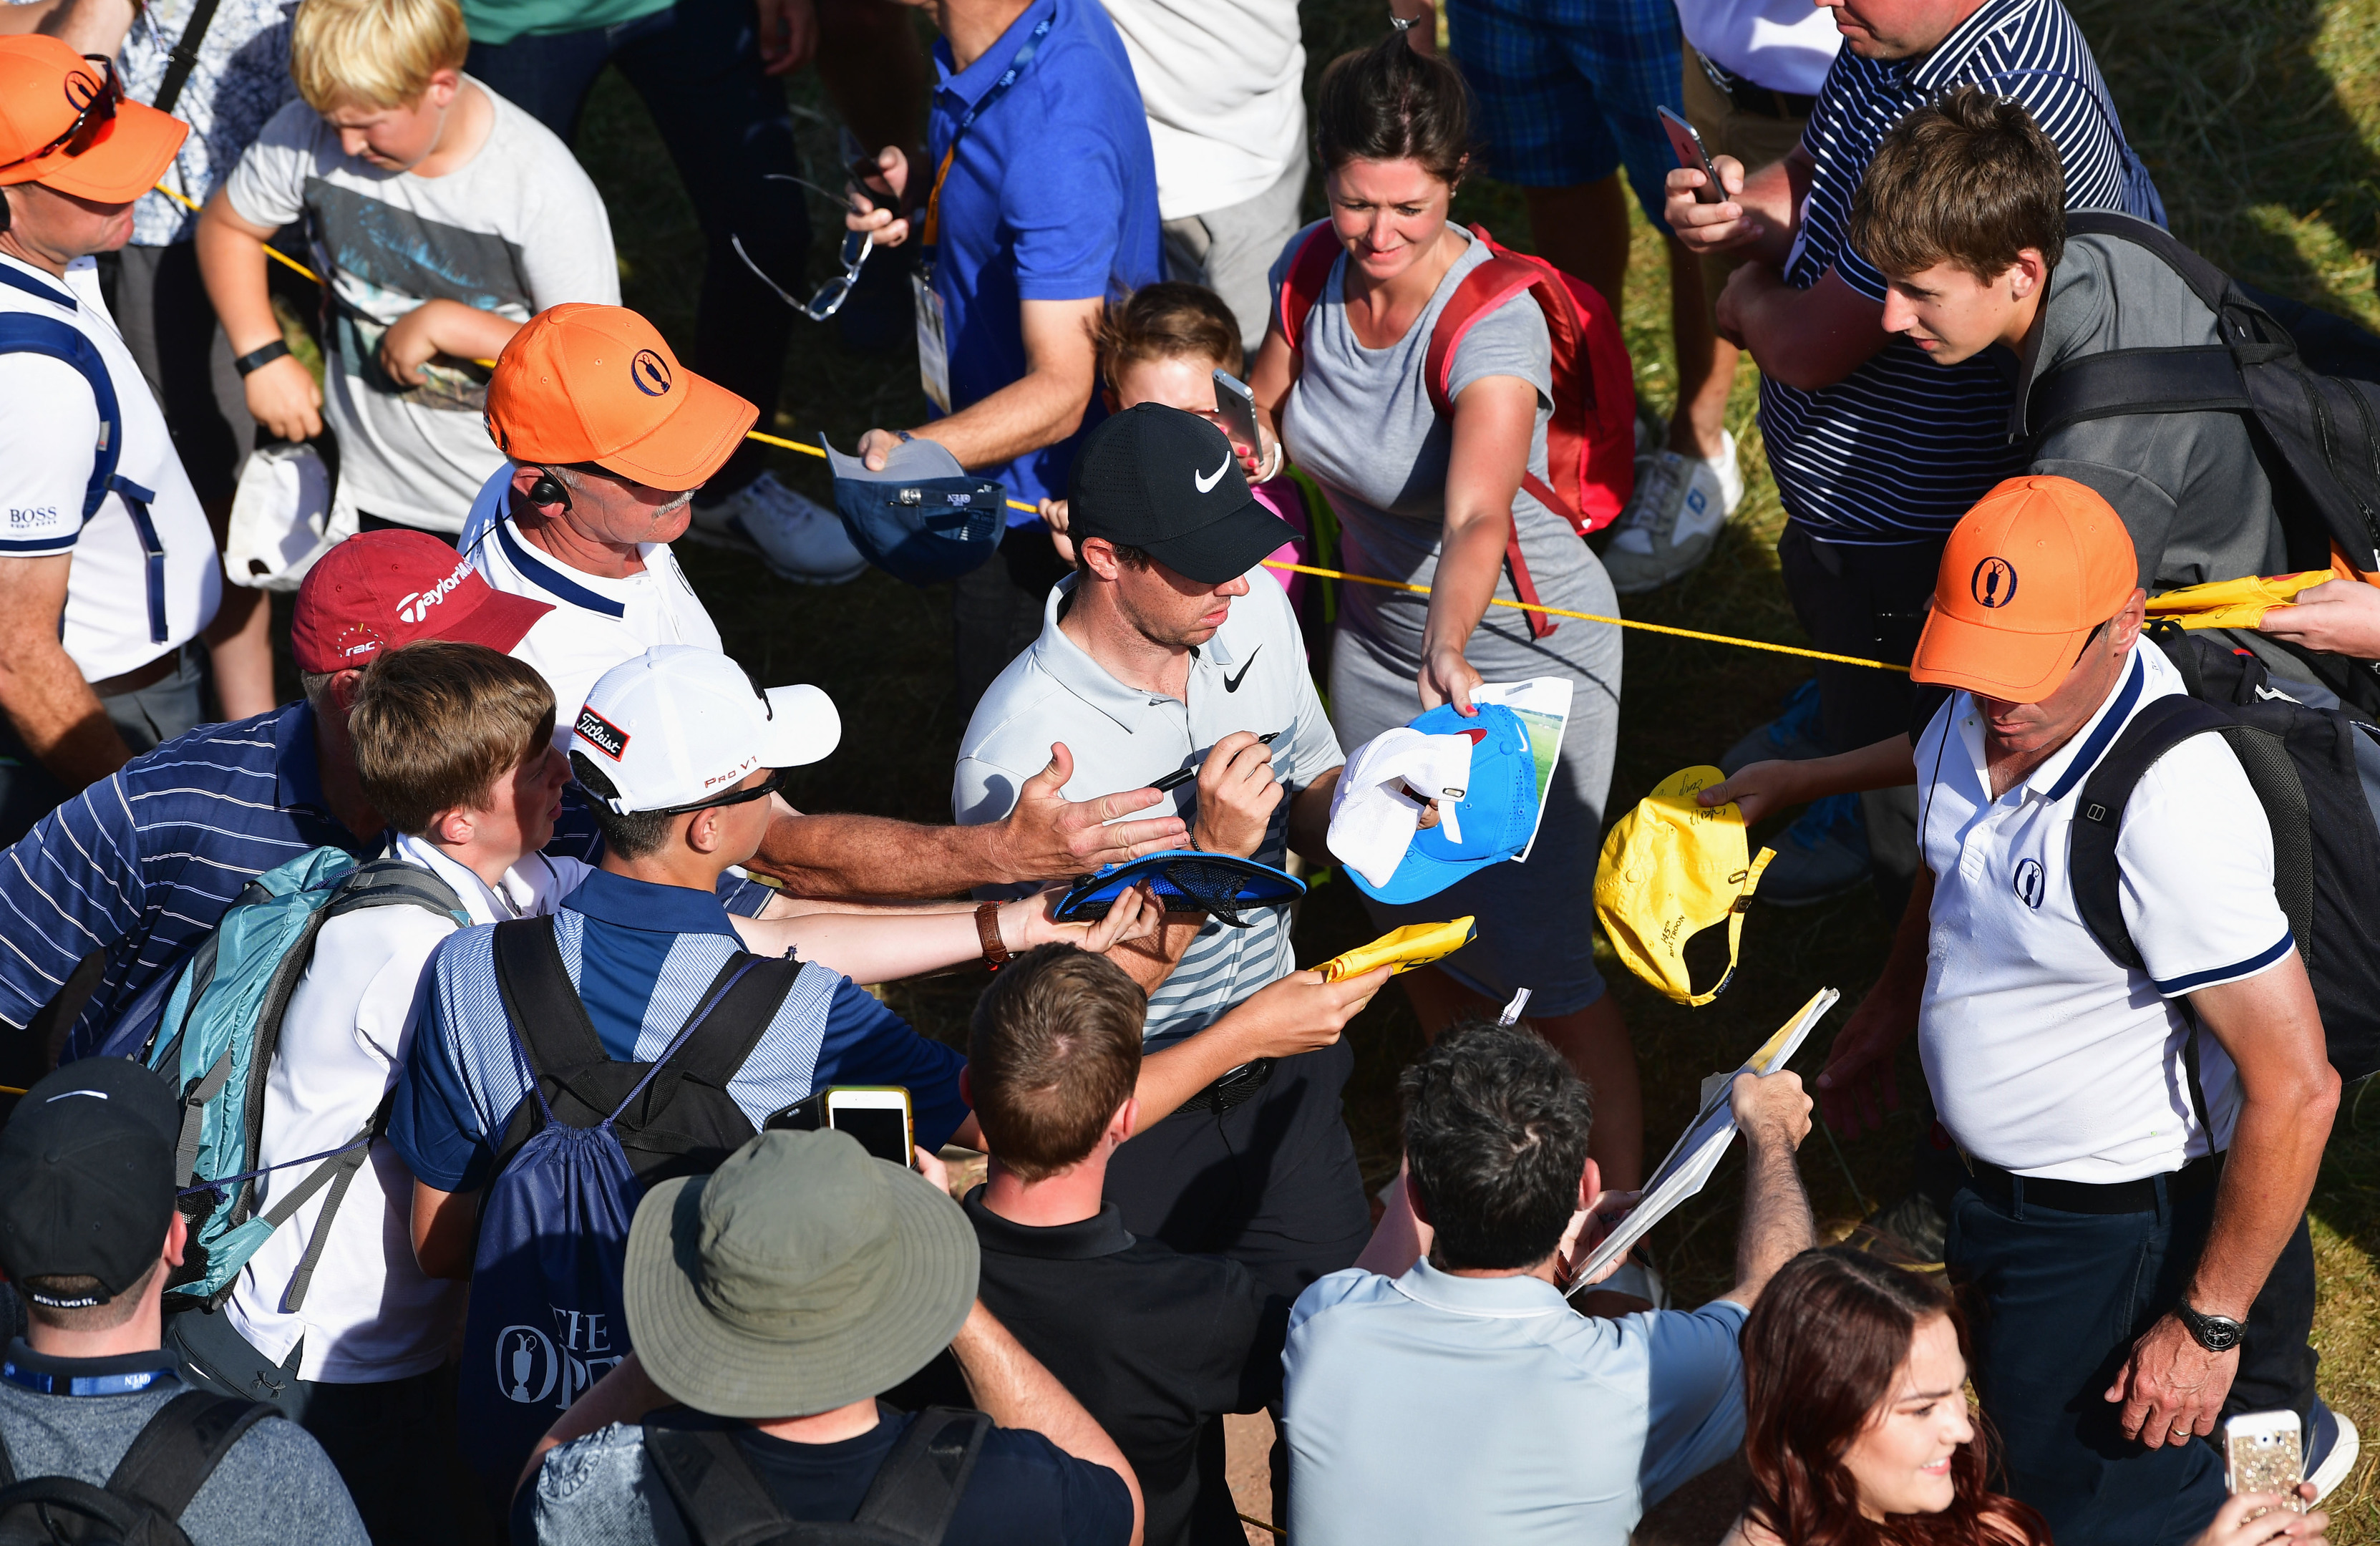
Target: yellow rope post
[(1295, 568)]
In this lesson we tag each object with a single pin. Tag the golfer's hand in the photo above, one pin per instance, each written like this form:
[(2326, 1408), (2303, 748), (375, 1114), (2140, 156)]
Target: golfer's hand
[(1857, 1085), (788, 33), (1049, 838), (873, 210), (1702, 227), (2172, 1389), (1301, 1013), (1590, 1227), (1237, 793), (1447, 677), (1758, 789), (2337, 617), (2231, 1526), (283, 397)]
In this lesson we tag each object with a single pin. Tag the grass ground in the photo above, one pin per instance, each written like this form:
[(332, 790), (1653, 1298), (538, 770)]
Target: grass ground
[(2259, 118)]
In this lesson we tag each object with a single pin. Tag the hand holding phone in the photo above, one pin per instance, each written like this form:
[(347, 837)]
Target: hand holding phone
[(2263, 1452), (877, 1115), (1237, 406), (1687, 141)]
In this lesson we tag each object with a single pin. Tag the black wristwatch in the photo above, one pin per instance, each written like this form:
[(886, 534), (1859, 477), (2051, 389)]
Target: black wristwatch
[(256, 359), (2216, 1333)]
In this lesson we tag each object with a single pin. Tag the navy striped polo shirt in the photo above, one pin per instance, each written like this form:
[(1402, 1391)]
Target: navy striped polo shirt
[(1903, 447)]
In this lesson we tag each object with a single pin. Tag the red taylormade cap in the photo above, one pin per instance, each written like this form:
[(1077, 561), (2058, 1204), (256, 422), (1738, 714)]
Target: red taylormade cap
[(380, 590)]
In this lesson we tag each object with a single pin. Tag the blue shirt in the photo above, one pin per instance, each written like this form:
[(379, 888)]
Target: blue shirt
[(1568, 1426), (641, 955), (1900, 449), (1053, 197), (143, 863)]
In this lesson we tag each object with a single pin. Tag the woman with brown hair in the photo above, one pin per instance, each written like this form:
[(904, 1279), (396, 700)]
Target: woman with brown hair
[(1427, 499), (1857, 1428)]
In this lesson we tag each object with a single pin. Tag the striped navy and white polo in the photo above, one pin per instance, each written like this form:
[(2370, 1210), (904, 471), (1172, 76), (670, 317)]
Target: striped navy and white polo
[(1903, 447)]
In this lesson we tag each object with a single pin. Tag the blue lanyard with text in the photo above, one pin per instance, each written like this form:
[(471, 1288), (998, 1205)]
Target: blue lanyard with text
[(83, 1384), (932, 228)]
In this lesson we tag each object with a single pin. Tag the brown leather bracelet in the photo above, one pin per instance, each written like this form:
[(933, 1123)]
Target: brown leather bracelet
[(987, 928)]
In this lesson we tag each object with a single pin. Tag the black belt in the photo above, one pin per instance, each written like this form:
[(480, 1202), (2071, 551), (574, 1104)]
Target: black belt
[(2087, 1196), (1233, 1088), (1759, 101)]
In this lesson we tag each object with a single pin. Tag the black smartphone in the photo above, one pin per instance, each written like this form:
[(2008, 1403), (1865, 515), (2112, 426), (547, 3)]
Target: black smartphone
[(1688, 142), (1236, 405), (877, 1115)]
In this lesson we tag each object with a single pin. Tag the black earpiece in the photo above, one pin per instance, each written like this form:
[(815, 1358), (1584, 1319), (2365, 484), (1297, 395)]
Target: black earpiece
[(548, 490)]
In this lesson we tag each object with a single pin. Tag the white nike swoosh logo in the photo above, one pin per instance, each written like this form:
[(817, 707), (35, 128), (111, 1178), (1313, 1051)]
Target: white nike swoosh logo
[(1211, 479)]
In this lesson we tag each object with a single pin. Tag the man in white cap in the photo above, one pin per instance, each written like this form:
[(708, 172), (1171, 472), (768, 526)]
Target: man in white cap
[(771, 1303), (679, 753)]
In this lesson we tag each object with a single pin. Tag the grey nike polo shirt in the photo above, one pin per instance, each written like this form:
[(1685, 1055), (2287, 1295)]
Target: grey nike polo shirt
[(1251, 675)]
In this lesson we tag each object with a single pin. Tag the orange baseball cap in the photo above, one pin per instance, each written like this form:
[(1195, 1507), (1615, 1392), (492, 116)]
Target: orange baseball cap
[(59, 128), (598, 384), (2028, 574)]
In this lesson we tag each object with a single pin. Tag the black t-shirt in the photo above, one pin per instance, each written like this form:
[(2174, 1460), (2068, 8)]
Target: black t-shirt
[(1024, 1490), (1153, 1343)]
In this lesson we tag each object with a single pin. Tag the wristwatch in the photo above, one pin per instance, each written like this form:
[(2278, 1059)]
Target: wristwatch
[(2216, 1333), (987, 928), (256, 359)]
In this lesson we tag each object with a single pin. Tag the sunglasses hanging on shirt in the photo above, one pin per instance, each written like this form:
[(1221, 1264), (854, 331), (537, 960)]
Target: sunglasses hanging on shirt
[(830, 297)]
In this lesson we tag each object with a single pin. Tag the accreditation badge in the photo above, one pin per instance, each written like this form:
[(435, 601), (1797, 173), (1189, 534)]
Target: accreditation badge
[(933, 349)]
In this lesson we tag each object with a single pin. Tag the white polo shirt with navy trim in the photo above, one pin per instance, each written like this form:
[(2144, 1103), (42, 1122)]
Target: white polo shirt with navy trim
[(145, 578), (2045, 1056), (596, 622)]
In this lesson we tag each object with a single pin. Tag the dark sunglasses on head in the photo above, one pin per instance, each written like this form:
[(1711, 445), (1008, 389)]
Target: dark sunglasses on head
[(830, 297), (92, 120), (760, 791)]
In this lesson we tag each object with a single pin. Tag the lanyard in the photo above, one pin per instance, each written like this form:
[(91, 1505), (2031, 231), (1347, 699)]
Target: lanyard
[(82, 1384), (999, 88)]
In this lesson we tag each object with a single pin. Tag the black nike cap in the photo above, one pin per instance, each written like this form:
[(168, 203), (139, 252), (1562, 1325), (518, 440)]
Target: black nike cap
[(87, 1178), (1166, 482)]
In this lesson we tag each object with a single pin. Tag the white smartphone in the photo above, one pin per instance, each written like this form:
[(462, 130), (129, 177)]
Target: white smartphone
[(1688, 143), (2263, 1452), (1237, 408), (877, 1115)]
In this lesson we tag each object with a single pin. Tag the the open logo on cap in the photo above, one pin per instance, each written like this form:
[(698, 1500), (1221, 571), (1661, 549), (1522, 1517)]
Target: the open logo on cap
[(82, 90), (650, 372), (1994, 583), (602, 734)]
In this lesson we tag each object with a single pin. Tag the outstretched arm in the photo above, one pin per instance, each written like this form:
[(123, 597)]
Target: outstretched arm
[(1045, 839), (1774, 1117)]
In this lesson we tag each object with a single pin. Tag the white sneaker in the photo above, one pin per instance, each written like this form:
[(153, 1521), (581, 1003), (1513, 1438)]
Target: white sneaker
[(2340, 1461), (1670, 525), (799, 539)]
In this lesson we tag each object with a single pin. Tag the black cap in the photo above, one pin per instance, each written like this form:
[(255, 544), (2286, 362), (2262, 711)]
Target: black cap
[(87, 1177), (1166, 482)]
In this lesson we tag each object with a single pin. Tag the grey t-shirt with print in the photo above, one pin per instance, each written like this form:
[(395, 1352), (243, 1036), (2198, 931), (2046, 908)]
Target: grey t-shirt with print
[(515, 229)]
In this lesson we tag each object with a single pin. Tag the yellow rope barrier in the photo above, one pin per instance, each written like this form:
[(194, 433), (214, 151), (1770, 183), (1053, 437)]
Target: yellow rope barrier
[(1296, 569)]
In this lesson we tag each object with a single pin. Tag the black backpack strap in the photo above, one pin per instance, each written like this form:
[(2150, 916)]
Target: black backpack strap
[(719, 1497), (917, 1490), (2161, 724), (392, 882), (173, 1454), (543, 1005), (2198, 379), (184, 56), (2209, 284)]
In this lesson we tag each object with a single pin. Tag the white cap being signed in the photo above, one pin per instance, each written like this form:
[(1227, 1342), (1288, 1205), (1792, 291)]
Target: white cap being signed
[(1374, 813), (679, 724)]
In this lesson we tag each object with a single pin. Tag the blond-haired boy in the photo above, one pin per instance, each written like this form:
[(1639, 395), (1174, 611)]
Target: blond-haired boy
[(441, 215)]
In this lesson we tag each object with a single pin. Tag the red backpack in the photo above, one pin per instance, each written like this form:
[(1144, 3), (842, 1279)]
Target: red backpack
[(1590, 441)]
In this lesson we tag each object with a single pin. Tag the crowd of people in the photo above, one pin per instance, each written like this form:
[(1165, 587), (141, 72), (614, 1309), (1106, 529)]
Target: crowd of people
[(431, 1131)]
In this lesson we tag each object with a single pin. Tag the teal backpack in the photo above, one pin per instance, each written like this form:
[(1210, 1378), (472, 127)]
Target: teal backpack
[(215, 1044)]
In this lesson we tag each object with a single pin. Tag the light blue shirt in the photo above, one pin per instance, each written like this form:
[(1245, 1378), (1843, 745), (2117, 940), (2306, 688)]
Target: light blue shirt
[(1454, 1408)]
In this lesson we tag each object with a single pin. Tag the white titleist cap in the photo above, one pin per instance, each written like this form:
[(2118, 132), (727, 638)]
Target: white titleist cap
[(680, 724)]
